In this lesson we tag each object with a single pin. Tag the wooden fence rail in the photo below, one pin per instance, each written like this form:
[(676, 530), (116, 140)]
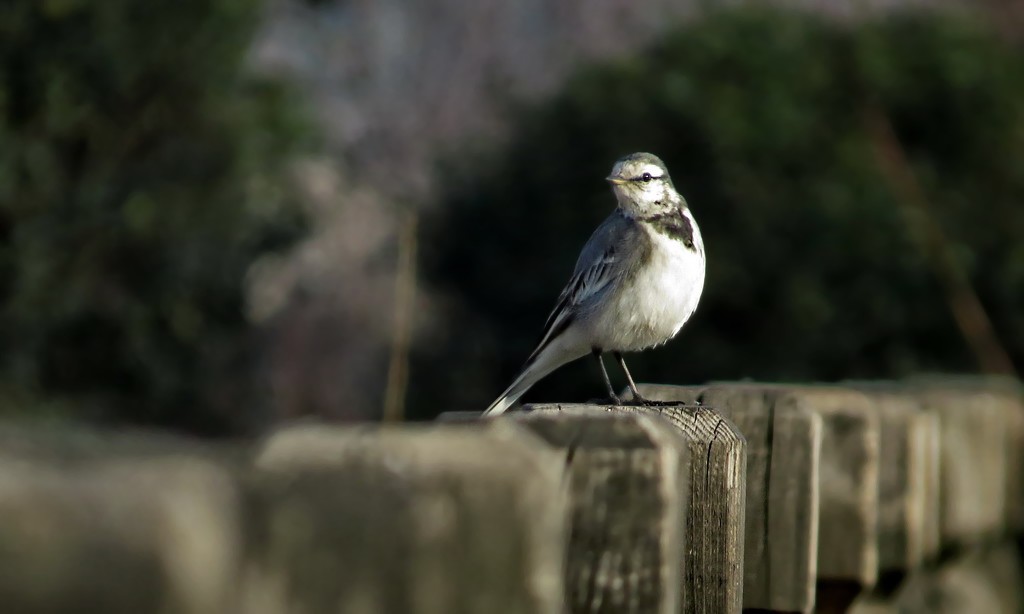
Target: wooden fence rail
[(864, 497)]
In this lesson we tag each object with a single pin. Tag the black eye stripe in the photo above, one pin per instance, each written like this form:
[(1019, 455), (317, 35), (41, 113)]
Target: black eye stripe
[(650, 177)]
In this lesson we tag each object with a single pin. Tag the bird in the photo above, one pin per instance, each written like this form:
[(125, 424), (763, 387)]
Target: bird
[(637, 281)]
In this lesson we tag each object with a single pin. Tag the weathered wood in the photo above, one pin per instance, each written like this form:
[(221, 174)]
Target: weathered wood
[(1005, 395), (414, 520), (908, 497), (88, 531), (714, 526), (848, 535), (973, 453), (908, 437), (932, 519), (848, 475), (629, 494), (714, 518), (781, 533)]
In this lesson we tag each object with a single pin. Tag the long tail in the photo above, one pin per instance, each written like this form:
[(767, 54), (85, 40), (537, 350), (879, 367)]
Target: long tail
[(536, 368), (511, 394)]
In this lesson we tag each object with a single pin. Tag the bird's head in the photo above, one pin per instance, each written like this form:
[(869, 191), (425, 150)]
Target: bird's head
[(642, 185)]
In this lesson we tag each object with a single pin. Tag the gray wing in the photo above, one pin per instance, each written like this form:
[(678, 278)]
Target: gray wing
[(617, 246)]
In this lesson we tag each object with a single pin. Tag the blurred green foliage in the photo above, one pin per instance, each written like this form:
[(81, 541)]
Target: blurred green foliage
[(813, 270), (141, 173)]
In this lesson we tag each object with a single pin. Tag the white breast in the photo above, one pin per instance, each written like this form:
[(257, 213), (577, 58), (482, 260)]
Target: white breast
[(653, 308)]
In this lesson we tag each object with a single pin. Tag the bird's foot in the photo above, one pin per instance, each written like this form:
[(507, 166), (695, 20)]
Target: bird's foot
[(639, 401), (612, 400), (635, 400), (632, 401)]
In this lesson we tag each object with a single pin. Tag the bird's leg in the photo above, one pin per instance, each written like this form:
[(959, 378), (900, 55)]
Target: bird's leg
[(607, 381), (629, 378)]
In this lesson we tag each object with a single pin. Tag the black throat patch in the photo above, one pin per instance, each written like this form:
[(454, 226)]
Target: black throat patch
[(675, 225)]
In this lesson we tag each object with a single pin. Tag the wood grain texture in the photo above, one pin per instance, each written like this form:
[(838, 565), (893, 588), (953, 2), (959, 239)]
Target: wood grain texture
[(781, 533), (713, 575), (432, 519), (629, 490), (848, 477)]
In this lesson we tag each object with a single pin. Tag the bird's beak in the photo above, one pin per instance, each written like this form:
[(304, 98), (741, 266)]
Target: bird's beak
[(615, 180)]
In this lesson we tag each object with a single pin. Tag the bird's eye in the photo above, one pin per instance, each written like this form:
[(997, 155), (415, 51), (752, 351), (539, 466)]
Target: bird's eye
[(646, 177)]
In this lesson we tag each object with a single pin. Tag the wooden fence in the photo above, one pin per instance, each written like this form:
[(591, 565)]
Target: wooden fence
[(869, 498)]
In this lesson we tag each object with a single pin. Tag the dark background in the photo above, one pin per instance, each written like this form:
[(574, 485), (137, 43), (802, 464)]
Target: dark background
[(215, 215)]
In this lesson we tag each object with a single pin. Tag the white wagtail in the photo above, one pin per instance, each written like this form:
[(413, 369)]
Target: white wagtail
[(637, 280)]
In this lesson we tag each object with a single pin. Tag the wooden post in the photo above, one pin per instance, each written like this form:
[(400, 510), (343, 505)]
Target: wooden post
[(629, 494), (90, 527), (413, 520), (781, 533), (976, 496), (1005, 394), (848, 537), (848, 475), (974, 456), (714, 519), (908, 488)]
